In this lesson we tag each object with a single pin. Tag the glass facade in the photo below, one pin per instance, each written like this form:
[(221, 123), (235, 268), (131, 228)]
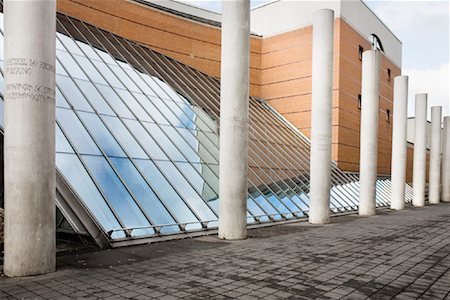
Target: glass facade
[(137, 139)]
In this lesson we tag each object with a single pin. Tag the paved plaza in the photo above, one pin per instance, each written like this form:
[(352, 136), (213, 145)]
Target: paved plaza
[(394, 255)]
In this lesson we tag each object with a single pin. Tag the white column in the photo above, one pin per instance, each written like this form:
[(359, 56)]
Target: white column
[(322, 102), (420, 150), (29, 137), (434, 193), (399, 147), (446, 161), (234, 102), (369, 131)]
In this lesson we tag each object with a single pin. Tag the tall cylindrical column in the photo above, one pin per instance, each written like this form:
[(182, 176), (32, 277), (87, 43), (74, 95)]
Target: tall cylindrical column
[(398, 163), (369, 131), (29, 137), (234, 101), (446, 161), (322, 102), (434, 193), (420, 150)]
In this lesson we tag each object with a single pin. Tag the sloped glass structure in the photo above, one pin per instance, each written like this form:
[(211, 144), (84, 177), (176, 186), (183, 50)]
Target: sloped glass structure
[(137, 145)]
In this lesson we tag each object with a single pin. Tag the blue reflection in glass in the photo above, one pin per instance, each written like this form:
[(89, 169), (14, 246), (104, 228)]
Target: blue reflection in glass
[(167, 194), (94, 97), (101, 134), (76, 132), (164, 142), (122, 202), (72, 93), (149, 145), (80, 181), (146, 197), (114, 101), (60, 100), (155, 115), (134, 106), (61, 144), (186, 191), (124, 137)]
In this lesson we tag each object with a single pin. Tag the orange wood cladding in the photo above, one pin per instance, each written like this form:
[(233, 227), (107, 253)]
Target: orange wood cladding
[(280, 67)]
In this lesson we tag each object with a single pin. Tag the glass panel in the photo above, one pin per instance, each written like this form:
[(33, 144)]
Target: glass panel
[(87, 66), (134, 106), (70, 44), (79, 179), (116, 103), (125, 79), (107, 74), (70, 65), (76, 132), (94, 97), (124, 137), (118, 196), (168, 194), (72, 93), (149, 145), (141, 83), (60, 100), (164, 142), (148, 200), (186, 191), (184, 147), (61, 144), (101, 135), (155, 115)]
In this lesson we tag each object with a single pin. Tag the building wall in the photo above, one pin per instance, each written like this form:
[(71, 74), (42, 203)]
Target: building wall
[(280, 67)]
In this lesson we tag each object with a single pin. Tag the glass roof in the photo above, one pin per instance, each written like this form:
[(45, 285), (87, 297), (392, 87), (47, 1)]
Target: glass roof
[(137, 139)]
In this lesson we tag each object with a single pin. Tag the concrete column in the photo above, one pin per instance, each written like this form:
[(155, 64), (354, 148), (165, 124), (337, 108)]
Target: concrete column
[(29, 137), (398, 163), (369, 131), (234, 93), (420, 150), (434, 193), (322, 102), (446, 161)]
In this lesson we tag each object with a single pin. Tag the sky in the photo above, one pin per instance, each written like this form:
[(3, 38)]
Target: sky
[(423, 28)]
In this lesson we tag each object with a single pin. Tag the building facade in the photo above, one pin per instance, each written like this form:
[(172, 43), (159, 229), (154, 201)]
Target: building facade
[(280, 57)]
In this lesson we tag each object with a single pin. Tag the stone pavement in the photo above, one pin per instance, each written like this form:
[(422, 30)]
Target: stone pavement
[(400, 255)]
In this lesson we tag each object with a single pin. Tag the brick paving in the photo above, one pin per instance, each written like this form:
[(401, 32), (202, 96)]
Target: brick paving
[(394, 255)]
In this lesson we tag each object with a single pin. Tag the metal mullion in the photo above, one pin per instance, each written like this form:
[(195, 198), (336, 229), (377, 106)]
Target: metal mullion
[(275, 183), (190, 208), (252, 183), (132, 161), (174, 144)]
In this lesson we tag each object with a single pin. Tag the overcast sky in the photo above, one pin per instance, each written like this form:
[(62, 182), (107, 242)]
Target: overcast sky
[(423, 28)]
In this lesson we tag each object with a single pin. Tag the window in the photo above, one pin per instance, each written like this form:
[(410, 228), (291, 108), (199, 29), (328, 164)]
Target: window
[(388, 115), (388, 74), (360, 52), (359, 101)]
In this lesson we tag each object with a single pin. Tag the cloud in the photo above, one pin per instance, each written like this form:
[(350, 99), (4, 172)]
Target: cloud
[(435, 82)]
